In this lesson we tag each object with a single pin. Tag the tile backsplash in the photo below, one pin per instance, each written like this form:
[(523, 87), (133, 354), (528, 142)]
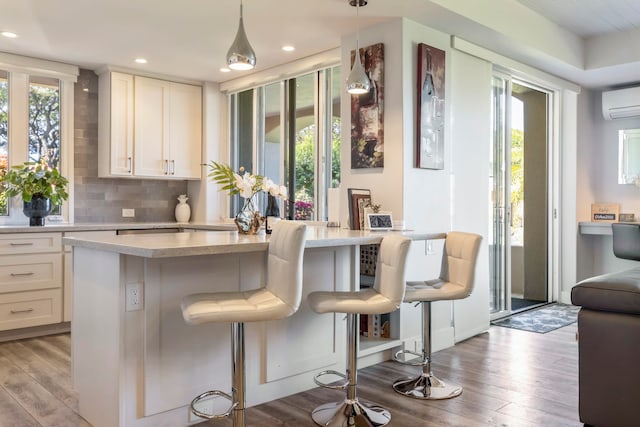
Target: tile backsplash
[(102, 199)]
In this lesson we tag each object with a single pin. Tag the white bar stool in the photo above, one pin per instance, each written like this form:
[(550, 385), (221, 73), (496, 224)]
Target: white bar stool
[(280, 298), (385, 296), (455, 282)]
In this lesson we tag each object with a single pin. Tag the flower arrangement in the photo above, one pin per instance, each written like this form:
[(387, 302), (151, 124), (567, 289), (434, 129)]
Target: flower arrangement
[(247, 185), (35, 179)]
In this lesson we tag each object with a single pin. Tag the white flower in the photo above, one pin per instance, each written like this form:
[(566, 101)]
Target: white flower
[(267, 185), (245, 184), (283, 191)]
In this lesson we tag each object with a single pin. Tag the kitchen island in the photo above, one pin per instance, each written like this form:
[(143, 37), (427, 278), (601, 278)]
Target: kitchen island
[(137, 363)]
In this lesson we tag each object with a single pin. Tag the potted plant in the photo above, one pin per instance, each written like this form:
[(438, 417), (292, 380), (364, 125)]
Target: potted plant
[(39, 185)]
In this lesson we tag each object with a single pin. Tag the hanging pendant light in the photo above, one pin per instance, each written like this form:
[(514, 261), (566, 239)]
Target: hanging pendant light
[(358, 82), (241, 55)]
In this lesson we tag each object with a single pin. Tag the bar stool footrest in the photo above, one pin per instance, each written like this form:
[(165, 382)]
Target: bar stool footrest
[(422, 361), (340, 386), (216, 393)]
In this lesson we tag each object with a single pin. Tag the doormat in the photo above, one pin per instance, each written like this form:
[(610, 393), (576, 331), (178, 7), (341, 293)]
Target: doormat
[(541, 320)]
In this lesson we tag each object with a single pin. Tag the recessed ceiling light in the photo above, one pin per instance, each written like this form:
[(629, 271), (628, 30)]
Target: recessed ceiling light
[(288, 48), (225, 69), (141, 60), (9, 34)]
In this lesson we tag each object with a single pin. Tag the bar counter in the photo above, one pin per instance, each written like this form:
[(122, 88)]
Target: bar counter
[(139, 365)]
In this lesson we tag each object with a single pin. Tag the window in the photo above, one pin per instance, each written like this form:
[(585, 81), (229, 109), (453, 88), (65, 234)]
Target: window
[(290, 131), (4, 135), (36, 118)]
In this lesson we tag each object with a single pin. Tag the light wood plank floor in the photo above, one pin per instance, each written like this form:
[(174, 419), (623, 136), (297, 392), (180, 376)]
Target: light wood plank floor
[(510, 378)]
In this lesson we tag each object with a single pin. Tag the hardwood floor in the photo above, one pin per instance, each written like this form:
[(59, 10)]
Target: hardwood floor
[(510, 378)]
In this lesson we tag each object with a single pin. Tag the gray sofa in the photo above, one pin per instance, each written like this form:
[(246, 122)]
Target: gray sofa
[(609, 349)]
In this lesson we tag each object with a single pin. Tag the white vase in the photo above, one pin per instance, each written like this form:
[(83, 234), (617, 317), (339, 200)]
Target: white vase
[(183, 210)]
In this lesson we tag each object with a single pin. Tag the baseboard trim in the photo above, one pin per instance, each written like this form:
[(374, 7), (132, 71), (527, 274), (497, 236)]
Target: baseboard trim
[(35, 331)]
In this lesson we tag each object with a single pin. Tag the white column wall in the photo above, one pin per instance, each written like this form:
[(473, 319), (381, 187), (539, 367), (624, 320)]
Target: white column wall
[(425, 199)]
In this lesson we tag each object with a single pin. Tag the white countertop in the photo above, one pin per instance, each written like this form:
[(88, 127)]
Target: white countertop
[(221, 242), (79, 226)]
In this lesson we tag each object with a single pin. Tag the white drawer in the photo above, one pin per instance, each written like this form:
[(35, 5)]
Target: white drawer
[(31, 308), (28, 272), (29, 243)]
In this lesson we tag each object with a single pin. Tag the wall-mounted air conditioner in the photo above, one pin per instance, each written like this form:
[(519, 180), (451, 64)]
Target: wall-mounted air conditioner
[(621, 104)]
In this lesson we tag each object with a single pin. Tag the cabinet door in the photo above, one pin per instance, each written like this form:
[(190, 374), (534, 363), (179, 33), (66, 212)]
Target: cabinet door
[(121, 157), (152, 99), (185, 131)]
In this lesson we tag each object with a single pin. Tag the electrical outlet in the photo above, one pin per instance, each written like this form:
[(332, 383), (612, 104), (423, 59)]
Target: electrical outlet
[(134, 297), (428, 248), (128, 213)]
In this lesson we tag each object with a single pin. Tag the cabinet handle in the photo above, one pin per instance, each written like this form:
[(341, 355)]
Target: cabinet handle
[(21, 244), (30, 273), (173, 167), (166, 167), (130, 163), (26, 310)]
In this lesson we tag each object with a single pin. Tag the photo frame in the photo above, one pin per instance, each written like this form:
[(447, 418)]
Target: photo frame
[(430, 118), (358, 199), (379, 221)]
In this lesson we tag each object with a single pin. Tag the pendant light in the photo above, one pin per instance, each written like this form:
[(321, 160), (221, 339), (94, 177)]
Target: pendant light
[(358, 82), (241, 55)]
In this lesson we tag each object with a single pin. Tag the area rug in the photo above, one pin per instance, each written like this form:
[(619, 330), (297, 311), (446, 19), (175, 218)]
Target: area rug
[(541, 320)]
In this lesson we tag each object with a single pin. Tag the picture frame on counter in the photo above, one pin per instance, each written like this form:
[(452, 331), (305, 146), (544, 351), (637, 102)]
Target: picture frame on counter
[(379, 221), (358, 199)]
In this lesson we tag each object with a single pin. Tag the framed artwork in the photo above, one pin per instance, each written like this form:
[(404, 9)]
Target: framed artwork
[(367, 112), (379, 221), (359, 198), (431, 107)]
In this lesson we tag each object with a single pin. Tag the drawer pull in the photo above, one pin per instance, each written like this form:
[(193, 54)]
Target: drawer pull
[(26, 310), (30, 273), (21, 243)]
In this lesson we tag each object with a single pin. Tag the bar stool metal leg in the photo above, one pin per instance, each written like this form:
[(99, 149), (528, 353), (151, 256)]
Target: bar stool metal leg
[(351, 411), (237, 397), (238, 389), (427, 386)]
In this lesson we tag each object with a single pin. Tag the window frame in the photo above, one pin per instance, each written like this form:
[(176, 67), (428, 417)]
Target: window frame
[(322, 91), (19, 70)]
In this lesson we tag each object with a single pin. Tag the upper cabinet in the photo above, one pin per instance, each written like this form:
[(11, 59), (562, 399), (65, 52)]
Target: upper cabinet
[(149, 128)]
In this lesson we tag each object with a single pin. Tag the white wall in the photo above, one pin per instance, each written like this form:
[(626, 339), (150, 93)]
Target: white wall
[(431, 200)]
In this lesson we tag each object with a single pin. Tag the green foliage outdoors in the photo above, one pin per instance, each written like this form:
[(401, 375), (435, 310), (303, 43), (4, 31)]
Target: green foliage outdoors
[(517, 177), (44, 145), (305, 160)]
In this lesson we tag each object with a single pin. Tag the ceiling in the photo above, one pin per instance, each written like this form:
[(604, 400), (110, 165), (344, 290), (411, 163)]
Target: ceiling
[(595, 43)]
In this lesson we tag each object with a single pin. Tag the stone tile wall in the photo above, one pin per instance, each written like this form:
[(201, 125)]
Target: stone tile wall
[(102, 199)]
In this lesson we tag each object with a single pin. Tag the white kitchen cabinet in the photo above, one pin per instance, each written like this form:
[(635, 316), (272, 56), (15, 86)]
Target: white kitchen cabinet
[(115, 99), (149, 128), (30, 280), (168, 129)]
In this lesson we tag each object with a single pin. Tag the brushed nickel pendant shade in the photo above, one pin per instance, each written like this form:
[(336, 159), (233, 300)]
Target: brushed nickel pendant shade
[(241, 55), (358, 82)]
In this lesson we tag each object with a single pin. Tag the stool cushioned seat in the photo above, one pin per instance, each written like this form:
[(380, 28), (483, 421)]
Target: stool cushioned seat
[(455, 282), (279, 298), (385, 296)]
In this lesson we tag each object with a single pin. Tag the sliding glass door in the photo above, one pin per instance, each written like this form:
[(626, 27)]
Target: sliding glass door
[(519, 229)]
